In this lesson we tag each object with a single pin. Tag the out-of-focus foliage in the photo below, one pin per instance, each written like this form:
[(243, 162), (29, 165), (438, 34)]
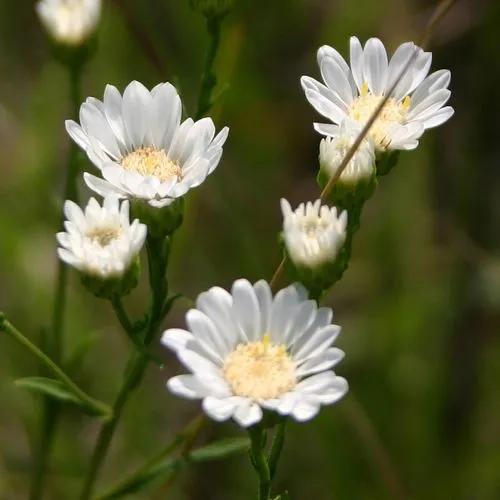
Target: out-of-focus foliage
[(419, 305)]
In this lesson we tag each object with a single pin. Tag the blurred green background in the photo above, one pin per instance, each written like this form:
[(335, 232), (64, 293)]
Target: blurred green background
[(419, 305)]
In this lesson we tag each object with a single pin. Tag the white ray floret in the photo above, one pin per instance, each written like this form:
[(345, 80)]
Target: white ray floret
[(70, 22), (100, 241), (248, 351), (313, 233), (140, 146), (355, 91), (333, 150)]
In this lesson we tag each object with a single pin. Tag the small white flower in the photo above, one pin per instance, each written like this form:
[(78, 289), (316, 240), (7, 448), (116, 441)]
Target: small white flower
[(332, 151), (140, 146), (355, 92), (247, 351), (313, 233), (100, 242), (70, 22)]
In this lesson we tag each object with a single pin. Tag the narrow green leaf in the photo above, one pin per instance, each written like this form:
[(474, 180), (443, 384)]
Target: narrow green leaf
[(219, 449), (54, 389), (159, 470)]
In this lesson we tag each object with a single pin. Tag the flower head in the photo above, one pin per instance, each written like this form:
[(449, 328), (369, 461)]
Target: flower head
[(313, 233), (248, 351), (100, 242), (69, 22), (355, 92), (333, 149), (140, 146)]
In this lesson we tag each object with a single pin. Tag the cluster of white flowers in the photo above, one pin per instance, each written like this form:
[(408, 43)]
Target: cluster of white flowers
[(246, 351), (69, 22)]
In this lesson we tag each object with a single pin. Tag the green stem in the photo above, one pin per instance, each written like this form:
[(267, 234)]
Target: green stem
[(209, 78), (158, 251), (97, 406), (277, 448), (54, 339), (260, 461)]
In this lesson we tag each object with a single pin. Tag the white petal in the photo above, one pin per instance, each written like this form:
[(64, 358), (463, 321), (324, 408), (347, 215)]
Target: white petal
[(176, 338), (246, 309), (439, 117), (320, 363), (434, 82), (198, 364), (328, 129), (317, 343), (188, 386), (113, 112), (375, 65), (336, 79), (207, 335), (248, 414), (136, 112), (101, 186), (326, 386), (165, 115), (429, 105), (323, 100), (219, 409), (265, 300), (305, 409), (356, 56)]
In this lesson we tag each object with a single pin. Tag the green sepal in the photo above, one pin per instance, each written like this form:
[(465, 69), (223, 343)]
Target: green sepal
[(76, 55), (113, 287), (161, 222), (347, 194), (386, 161), (212, 8)]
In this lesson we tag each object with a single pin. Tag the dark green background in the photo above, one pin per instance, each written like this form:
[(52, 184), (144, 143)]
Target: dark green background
[(419, 305)]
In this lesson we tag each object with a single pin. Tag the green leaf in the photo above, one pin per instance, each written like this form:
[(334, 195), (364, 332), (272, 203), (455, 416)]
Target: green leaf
[(219, 449), (54, 389), (161, 469)]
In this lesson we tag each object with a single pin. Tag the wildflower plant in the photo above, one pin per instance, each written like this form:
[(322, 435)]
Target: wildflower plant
[(259, 354)]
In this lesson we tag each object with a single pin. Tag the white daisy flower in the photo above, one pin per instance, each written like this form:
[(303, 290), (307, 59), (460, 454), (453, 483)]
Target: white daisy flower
[(313, 233), (140, 146), (70, 22), (100, 242), (248, 351), (333, 149), (355, 92)]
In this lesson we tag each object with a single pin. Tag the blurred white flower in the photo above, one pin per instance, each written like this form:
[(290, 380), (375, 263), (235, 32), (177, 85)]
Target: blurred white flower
[(313, 233), (248, 351), (333, 149), (100, 242), (140, 146), (69, 22), (355, 92)]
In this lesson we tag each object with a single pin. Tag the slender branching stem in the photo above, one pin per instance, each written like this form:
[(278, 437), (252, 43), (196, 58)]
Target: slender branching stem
[(277, 447), (53, 338), (158, 252), (209, 78)]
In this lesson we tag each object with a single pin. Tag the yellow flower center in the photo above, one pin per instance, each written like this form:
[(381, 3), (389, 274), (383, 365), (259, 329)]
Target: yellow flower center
[(151, 162), (363, 107), (260, 370), (103, 236)]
